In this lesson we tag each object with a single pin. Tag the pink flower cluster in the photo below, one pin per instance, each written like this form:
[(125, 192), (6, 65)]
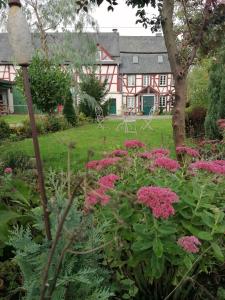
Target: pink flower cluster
[(145, 155), (189, 243), (8, 171), (102, 164), (159, 199), (99, 195), (108, 181), (160, 152), (167, 163), (132, 144), (214, 166), (188, 150), (119, 153), (221, 124)]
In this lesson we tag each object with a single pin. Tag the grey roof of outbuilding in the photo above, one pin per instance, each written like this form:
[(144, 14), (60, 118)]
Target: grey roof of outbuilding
[(109, 41), (147, 63), (142, 44)]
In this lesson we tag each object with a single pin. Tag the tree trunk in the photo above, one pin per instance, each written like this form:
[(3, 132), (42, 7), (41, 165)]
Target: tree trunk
[(178, 119), (180, 77)]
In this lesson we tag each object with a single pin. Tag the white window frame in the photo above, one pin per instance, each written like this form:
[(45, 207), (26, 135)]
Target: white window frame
[(162, 101), (135, 59), (162, 80), (146, 80), (160, 59), (130, 102), (131, 80)]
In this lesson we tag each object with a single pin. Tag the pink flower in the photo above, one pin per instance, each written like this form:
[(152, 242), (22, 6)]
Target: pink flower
[(108, 181), (189, 243), (221, 123), (160, 152), (92, 164), (134, 144), (187, 150), (103, 163), (158, 199), (216, 166), (119, 153), (145, 155), (96, 196), (167, 163), (8, 171)]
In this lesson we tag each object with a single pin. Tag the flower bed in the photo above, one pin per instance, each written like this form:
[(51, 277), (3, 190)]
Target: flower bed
[(165, 220)]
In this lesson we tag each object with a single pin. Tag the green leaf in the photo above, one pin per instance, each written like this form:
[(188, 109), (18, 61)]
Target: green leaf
[(141, 245), (203, 235), (217, 252), (158, 247), (187, 262), (166, 230)]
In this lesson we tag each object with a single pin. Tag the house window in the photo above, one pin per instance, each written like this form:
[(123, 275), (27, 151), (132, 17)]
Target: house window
[(99, 55), (146, 80), (160, 59), (162, 80), (131, 80), (130, 102), (162, 101), (135, 59)]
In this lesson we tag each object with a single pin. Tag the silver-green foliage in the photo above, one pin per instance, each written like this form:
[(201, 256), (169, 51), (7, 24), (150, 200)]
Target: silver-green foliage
[(81, 276)]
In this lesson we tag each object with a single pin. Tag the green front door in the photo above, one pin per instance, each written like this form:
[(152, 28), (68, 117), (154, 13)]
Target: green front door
[(112, 106), (148, 103)]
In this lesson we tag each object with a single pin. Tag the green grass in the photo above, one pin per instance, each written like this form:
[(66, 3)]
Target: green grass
[(14, 119), (90, 137)]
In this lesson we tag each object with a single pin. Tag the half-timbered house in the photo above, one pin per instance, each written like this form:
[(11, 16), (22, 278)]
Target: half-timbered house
[(136, 68)]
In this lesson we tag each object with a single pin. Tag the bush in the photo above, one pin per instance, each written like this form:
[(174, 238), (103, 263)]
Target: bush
[(95, 92), (16, 160), (4, 130), (24, 129), (164, 223), (55, 123), (69, 111), (194, 121)]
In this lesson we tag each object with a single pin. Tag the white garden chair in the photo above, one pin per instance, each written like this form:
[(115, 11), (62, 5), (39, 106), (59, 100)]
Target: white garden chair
[(148, 121), (99, 116), (129, 122)]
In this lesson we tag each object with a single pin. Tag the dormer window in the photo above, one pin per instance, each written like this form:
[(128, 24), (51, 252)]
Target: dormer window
[(99, 55), (135, 59), (160, 59)]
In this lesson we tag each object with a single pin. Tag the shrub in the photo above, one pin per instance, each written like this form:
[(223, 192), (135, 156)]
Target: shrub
[(94, 93), (164, 222), (17, 160), (24, 129), (216, 89), (4, 130), (194, 121), (69, 111), (55, 123)]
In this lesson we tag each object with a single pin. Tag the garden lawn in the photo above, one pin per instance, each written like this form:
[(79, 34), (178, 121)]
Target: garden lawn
[(90, 137)]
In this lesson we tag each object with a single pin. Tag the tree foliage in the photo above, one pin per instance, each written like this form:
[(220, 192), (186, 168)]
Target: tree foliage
[(49, 84), (93, 88), (198, 84), (216, 90)]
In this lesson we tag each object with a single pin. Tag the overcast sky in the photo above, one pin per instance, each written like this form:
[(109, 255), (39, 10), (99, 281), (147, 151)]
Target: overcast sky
[(122, 18)]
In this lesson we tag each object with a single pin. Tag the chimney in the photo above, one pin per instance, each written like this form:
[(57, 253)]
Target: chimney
[(114, 30)]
